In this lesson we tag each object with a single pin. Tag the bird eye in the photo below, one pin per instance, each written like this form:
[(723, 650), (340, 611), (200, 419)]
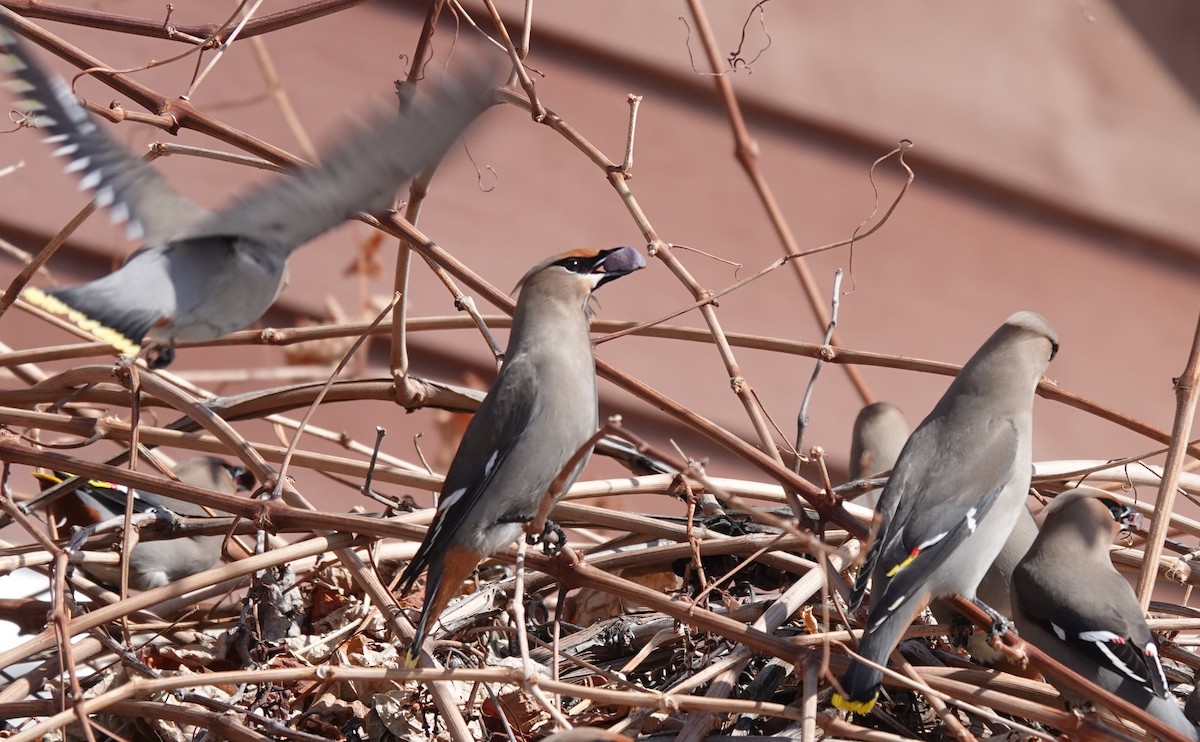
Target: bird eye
[(1121, 513), (241, 477), (573, 264)]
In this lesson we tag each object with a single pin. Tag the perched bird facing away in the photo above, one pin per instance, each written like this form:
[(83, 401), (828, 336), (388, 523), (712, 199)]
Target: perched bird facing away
[(1073, 605), (198, 275), (880, 431), (954, 495), (539, 412), (152, 563), (995, 589)]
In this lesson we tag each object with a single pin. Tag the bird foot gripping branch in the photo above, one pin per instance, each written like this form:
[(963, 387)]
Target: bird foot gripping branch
[(1011, 646), (553, 539)]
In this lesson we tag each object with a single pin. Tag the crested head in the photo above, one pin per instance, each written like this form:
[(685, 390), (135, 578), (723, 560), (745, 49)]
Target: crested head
[(880, 414), (1019, 348), (1007, 368), (1034, 324), (1064, 499), (575, 274), (880, 432), (1091, 507)]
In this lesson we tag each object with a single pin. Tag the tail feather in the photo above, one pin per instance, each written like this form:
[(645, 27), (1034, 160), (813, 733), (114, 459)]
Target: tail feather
[(861, 683), (65, 303), (443, 584)]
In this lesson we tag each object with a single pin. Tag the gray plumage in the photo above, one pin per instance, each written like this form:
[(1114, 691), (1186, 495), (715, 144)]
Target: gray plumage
[(154, 563), (198, 275), (540, 410), (879, 434), (995, 589), (1191, 705), (1072, 603), (954, 495)]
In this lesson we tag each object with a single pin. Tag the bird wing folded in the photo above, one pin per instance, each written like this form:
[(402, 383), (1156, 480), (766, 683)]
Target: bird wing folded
[(904, 555), (502, 419)]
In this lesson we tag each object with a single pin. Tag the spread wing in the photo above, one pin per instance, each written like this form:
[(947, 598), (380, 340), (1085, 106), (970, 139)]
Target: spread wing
[(133, 192), (362, 174)]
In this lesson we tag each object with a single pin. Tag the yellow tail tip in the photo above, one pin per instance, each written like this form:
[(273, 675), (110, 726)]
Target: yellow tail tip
[(411, 659), (53, 305), (856, 707)]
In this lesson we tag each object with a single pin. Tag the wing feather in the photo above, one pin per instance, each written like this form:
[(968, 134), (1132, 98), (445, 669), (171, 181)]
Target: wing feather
[(955, 500), (1100, 629), (491, 436), (133, 191)]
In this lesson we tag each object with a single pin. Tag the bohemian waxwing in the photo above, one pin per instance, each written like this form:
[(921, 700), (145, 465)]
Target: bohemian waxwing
[(995, 589), (151, 563), (198, 275), (954, 494), (1072, 604), (880, 431), (540, 410)]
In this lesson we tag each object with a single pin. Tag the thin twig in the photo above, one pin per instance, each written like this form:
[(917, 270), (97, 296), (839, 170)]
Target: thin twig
[(1187, 393), (635, 101), (746, 150), (530, 675), (242, 17), (802, 417), (287, 458), (535, 107), (278, 93), (195, 34), (417, 191)]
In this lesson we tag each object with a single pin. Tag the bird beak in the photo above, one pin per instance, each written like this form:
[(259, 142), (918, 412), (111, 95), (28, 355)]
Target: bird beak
[(1126, 516), (617, 262), (1130, 519)]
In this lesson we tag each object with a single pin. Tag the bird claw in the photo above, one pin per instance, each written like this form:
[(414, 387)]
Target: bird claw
[(550, 546), (160, 356), (79, 537), (1001, 626), (723, 523)]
